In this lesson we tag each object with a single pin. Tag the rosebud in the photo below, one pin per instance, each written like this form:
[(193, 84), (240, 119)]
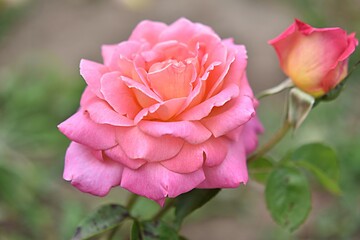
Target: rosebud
[(315, 59)]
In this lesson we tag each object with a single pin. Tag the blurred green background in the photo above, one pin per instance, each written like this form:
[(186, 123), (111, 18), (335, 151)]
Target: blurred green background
[(41, 44)]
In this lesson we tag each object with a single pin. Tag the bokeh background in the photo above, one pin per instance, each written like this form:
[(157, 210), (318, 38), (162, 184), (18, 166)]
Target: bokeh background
[(41, 44)]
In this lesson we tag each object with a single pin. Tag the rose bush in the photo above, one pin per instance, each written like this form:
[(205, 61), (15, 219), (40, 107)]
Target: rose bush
[(315, 59), (169, 110)]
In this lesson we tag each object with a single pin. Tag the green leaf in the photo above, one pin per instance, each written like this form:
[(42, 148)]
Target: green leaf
[(105, 218), (188, 202), (153, 230), (260, 169), (288, 198), (322, 161)]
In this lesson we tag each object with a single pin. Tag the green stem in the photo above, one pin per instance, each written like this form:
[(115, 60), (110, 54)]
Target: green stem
[(164, 210), (272, 142)]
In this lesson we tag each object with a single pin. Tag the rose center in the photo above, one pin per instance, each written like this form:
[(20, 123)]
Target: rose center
[(171, 78)]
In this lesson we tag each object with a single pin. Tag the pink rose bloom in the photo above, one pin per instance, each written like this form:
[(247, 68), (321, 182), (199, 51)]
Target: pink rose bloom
[(315, 59), (169, 110)]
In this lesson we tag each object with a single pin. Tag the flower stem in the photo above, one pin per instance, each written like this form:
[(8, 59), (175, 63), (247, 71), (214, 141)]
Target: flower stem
[(272, 142), (164, 210)]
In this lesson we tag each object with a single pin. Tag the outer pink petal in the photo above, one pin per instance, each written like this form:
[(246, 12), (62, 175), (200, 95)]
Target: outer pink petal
[(107, 52), (215, 150), (101, 112), (117, 154), (184, 30), (230, 116), (166, 50), (191, 131), (235, 113), (118, 95), (352, 43), (123, 57), (87, 97), (138, 145), (231, 172), (193, 157), (80, 128), (89, 174), (92, 73), (148, 31), (156, 182), (189, 159), (250, 134)]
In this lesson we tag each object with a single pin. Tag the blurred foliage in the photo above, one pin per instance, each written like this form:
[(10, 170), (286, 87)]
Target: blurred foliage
[(10, 12), (33, 99)]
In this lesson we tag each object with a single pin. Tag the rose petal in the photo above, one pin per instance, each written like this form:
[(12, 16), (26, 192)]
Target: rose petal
[(80, 128), (230, 173), (183, 30), (87, 97), (87, 173), (334, 76), (101, 112), (117, 154), (138, 145), (192, 157), (147, 31), (107, 52), (123, 56), (215, 150), (203, 109), (234, 114), (162, 111), (156, 182), (172, 79), (143, 94), (250, 134), (221, 55), (189, 159), (92, 73), (192, 132), (234, 69), (167, 50), (118, 95)]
